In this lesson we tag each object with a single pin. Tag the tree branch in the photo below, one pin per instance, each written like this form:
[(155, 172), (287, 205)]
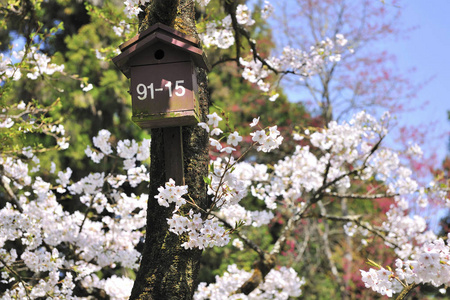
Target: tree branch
[(242, 236), (12, 196), (406, 291), (305, 242), (224, 60), (230, 8), (17, 276), (326, 244), (260, 268), (357, 220), (320, 192), (361, 196), (354, 218)]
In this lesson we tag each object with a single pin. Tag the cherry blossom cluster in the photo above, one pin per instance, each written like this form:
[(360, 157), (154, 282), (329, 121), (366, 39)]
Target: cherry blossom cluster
[(202, 233), (267, 10), (229, 188), (355, 143), (381, 281), (351, 139), (247, 174), (122, 28), (172, 193), (218, 34), (407, 232), (255, 72), (224, 186), (132, 7), (62, 249), (235, 214), (129, 150), (265, 139), (38, 64), (430, 264), (278, 284), (304, 171), (296, 61), (238, 244), (244, 15)]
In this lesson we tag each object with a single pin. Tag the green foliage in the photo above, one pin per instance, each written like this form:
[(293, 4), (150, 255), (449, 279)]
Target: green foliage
[(81, 32)]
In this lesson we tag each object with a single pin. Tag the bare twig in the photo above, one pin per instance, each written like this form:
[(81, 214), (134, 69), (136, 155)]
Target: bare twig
[(327, 248), (305, 242), (224, 60)]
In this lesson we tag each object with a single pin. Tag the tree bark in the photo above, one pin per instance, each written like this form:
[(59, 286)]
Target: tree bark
[(406, 291), (167, 270)]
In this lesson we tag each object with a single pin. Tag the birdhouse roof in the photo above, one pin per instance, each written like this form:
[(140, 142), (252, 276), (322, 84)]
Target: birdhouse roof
[(164, 34)]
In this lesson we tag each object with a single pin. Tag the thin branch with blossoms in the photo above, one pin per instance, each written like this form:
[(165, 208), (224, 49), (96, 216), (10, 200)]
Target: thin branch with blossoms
[(235, 28), (357, 220), (16, 275), (225, 189), (315, 197), (242, 236), (361, 196)]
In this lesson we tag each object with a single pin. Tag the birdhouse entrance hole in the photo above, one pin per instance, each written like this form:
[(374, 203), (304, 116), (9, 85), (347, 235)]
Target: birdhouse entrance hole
[(159, 54)]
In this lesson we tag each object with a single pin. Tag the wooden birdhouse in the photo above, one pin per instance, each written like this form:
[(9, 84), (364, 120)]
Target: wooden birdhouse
[(161, 63)]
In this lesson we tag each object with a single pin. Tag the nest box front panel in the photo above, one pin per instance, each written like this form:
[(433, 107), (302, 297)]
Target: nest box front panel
[(162, 90)]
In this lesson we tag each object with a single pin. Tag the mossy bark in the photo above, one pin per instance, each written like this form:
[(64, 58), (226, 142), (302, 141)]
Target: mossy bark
[(167, 270)]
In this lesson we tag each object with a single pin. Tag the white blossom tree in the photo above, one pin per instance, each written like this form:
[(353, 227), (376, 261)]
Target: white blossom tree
[(51, 249)]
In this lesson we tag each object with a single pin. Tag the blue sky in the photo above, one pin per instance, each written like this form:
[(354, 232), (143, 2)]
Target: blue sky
[(427, 49)]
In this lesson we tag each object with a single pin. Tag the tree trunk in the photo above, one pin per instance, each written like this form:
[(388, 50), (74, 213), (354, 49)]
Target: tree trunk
[(167, 270)]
